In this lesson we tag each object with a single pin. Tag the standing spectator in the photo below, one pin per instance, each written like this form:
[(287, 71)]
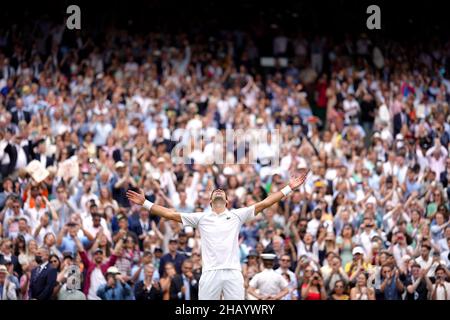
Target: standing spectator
[(166, 279), (7, 288), (416, 284), (361, 291), (268, 284), (441, 288), (285, 264), (391, 286), (148, 289), (184, 286), (339, 291), (115, 287), (96, 269), (172, 256), (43, 277), (314, 289)]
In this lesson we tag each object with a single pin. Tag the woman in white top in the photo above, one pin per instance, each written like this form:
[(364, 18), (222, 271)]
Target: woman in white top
[(441, 288), (361, 291)]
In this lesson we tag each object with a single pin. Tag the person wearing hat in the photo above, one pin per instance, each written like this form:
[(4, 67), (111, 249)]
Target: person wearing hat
[(219, 229), (96, 268), (252, 265), (115, 287), (268, 284), (7, 288), (357, 265)]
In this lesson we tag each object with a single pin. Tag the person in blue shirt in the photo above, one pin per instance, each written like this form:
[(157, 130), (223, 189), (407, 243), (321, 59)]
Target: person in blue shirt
[(115, 287), (172, 256), (391, 287), (66, 238), (138, 271)]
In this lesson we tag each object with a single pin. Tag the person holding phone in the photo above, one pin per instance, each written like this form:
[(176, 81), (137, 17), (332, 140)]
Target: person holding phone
[(314, 289), (441, 287)]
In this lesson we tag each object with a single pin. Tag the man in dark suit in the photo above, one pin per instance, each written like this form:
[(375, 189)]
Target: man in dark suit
[(7, 255), (140, 224), (43, 277), (184, 286), (19, 114), (9, 159), (40, 154), (148, 289)]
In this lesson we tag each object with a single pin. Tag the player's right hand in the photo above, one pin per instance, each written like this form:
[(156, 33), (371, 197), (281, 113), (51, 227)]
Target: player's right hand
[(137, 198)]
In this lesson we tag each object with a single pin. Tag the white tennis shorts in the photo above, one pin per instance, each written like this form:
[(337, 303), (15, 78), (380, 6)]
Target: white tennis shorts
[(227, 282)]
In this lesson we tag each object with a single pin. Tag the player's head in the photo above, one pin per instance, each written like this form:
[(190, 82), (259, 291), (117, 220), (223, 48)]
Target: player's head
[(218, 199)]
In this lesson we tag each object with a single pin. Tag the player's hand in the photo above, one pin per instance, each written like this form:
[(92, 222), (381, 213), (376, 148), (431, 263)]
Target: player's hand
[(297, 181), (137, 198)]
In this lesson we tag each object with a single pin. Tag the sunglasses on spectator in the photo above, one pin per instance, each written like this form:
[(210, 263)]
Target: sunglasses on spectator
[(54, 261)]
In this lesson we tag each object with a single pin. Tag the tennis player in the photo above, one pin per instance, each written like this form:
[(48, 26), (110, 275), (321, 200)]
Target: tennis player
[(219, 231)]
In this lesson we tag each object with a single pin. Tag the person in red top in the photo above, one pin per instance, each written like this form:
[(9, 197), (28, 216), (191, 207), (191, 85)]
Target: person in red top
[(96, 269), (314, 289)]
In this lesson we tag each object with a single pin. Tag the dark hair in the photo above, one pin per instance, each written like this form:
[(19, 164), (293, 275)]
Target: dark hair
[(344, 287), (57, 258), (347, 225), (20, 238), (439, 268), (218, 189), (165, 266)]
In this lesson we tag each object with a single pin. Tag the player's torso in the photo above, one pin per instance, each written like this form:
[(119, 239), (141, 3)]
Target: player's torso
[(219, 235), (217, 227)]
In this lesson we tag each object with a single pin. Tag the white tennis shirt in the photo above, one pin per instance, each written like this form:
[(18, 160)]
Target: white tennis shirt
[(219, 235)]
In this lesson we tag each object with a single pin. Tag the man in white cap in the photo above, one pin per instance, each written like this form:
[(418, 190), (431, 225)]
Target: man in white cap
[(268, 284), (358, 265), (115, 287), (219, 230)]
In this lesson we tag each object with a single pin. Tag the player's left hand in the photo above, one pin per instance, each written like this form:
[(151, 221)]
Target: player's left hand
[(297, 180)]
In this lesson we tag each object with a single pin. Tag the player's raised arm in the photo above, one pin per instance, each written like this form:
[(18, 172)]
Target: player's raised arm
[(294, 183), (139, 198)]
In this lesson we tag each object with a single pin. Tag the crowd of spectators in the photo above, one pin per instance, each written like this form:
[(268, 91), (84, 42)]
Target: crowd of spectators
[(370, 120)]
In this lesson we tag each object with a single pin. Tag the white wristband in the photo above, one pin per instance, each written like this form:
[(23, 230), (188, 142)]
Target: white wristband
[(147, 205), (286, 190)]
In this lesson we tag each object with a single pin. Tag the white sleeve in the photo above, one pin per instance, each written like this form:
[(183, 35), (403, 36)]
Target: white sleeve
[(245, 214), (254, 282), (282, 283), (191, 219)]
